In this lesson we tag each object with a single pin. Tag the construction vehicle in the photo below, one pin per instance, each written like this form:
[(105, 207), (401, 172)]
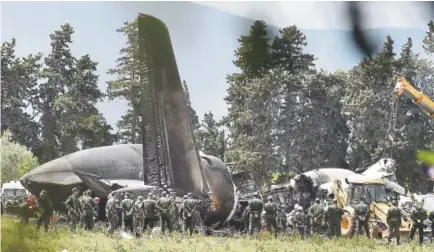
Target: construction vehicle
[(348, 194), (403, 86)]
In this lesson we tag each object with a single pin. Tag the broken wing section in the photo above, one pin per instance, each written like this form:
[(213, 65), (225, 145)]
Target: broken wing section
[(161, 71), (94, 183)]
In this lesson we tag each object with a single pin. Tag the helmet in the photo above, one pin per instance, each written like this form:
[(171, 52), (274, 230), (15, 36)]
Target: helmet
[(75, 189), (317, 200), (190, 195), (300, 208), (140, 198), (169, 190), (185, 196), (296, 206), (270, 198), (43, 192)]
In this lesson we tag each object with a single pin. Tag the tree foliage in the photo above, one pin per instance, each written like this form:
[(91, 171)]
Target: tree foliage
[(16, 159)]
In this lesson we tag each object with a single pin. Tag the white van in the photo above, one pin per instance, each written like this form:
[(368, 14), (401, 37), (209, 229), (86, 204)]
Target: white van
[(13, 188)]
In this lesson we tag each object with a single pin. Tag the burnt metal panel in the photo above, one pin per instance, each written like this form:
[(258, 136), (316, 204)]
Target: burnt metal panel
[(160, 77)]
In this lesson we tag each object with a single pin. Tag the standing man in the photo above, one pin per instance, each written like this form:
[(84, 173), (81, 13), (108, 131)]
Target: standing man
[(74, 208), (111, 213), (418, 216), (316, 212), (164, 204), (127, 204), (255, 208), (431, 218), (300, 221), (138, 213), (333, 216), (150, 208), (270, 215), (88, 205), (44, 203), (394, 222), (362, 217), (188, 208)]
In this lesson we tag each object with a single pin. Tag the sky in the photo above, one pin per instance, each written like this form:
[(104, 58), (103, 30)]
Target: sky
[(204, 38), (329, 14)]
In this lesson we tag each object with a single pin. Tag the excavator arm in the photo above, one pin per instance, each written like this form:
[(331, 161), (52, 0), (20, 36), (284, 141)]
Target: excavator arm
[(403, 86)]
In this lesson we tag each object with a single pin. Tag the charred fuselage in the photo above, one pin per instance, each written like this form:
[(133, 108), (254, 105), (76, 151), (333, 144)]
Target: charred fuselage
[(109, 168)]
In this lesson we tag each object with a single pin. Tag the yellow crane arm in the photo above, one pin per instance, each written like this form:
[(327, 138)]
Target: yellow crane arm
[(403, 86)]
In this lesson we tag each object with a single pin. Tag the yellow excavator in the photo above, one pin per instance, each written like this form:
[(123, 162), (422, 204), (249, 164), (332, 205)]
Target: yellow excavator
[(403, 86), (348, 194)]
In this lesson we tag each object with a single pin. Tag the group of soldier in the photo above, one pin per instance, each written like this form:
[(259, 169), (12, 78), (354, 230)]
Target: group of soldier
[(139, 216), (136, 216), (320, 218)]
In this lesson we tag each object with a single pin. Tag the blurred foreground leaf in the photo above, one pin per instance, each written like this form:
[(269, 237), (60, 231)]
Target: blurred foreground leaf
[(425, 156)]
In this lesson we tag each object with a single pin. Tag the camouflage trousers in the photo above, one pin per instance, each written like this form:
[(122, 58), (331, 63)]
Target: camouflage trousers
[(165, 221), (394, 231), (44, 218), (138, 222), (113, 222), (271, 223), (88, 221), (74, 219), (188, 224), (334, 229), (148, 222), (254, 223)]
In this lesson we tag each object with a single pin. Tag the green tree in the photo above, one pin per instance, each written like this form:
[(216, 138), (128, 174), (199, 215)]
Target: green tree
[(253, 54), (211, 139), (428, 42), (287, 51), (127, 82), (58, 74), (16, 159), (19, 80), (367, 103)]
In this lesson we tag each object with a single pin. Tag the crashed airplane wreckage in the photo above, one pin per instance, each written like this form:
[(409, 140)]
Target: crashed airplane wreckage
[(168, 154), (305, 187)]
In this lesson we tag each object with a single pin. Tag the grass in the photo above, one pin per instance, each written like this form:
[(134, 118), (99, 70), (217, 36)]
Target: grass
[(21, 238)]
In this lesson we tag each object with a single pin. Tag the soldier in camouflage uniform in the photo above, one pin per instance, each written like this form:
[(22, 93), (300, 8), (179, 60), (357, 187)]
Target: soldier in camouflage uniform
[(127, 218), (361, 212), (81, 219), (431, 218), (333, 216), (44, 203), (111, 214), (418, 215), (394, 222), (255, 207), (300, 221), (164, 205), (150, 211), (281, 218), (174, 213), (88, 205), (316, 212), (188, 208), (138, 213), (270, 215), (74, 208)]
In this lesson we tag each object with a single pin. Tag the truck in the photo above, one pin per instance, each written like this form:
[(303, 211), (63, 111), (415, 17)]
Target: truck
[(348, 194)]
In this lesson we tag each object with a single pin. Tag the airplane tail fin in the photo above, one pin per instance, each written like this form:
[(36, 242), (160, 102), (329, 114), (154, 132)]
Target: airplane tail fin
[(169, 147)]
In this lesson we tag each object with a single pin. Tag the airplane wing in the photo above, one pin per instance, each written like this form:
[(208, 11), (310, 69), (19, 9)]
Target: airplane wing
[(98, 186)]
